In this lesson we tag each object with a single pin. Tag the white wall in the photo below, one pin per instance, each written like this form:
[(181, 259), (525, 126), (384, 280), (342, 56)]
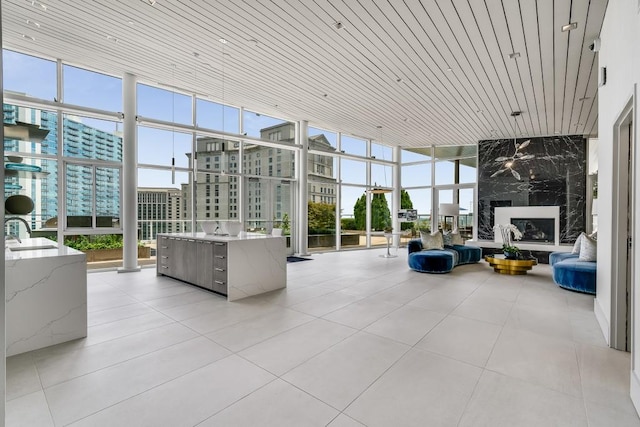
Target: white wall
[(620, 53)]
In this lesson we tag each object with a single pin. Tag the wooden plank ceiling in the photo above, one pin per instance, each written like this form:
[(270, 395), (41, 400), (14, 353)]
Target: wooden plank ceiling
[(429, 72)]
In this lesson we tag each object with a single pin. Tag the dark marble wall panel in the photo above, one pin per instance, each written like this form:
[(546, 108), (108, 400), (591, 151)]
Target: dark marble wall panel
[(548, 171)]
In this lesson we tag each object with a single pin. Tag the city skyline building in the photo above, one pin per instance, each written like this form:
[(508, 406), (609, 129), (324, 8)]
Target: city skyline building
[(88, 188), (159, 211), (268, 199)]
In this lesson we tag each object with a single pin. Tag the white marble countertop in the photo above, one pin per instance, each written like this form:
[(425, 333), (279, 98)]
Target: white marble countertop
[(38, 247), (222, 238)]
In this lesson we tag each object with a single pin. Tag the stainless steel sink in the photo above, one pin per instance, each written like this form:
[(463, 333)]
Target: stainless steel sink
[(30, 248)]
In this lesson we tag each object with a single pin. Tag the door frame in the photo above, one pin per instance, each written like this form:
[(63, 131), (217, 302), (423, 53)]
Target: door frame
[(623, 208)]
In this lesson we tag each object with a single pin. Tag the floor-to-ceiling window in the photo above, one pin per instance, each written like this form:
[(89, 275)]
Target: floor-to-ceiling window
[(200, 160), (442, 174), (65, 151), (322, 190)]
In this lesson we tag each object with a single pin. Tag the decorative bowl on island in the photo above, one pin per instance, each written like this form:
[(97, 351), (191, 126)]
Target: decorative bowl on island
[(233, 227), (209, 227)]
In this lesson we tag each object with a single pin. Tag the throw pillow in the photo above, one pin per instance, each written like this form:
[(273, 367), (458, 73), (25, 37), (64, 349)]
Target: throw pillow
[(457, 239), (576, 245), (447, 238), (431, 241), (588, 249)]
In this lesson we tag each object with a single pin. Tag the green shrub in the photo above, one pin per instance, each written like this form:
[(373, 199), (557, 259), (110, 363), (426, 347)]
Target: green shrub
[(100, 241), (348, 223)]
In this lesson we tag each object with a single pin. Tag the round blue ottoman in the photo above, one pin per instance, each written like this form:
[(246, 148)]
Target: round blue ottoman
[(432, 261)]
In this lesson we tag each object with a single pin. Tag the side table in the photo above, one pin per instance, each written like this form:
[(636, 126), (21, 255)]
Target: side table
[(389, 236)]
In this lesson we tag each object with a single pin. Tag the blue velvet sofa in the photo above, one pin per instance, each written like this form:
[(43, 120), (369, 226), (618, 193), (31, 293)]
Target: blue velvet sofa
[(440, 260), (569, 273)]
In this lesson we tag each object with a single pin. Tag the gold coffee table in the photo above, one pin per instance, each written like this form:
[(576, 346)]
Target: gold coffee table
[(510, 266)]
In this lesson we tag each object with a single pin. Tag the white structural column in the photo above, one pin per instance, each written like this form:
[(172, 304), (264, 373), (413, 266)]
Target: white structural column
[(303, 209), (129, 177), (3, 370), (397, 190), (368, 198), (338, 194)]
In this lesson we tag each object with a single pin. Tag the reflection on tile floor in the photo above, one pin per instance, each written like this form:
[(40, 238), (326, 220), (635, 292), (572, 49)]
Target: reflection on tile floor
[(355, 340)]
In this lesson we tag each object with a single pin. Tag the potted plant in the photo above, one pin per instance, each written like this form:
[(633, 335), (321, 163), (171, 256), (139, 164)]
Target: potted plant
[(282, 226), (508, 248)]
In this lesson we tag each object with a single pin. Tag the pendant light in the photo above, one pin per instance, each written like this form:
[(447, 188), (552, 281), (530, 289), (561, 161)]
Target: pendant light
[(509, 162), (223, 155), (376, 189), (173, 120)]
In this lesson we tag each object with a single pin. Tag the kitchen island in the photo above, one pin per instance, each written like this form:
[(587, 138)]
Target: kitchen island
[(45, 294), (237, 267)]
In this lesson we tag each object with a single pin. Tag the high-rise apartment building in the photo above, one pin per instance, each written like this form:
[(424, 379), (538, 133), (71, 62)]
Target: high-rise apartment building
[(159, 211), (217, 194), (87, 187)]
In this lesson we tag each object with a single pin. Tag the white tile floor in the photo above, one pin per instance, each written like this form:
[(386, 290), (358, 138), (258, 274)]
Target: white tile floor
[(354, 340)]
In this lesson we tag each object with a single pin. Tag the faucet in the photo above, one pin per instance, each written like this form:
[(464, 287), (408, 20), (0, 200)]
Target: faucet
[(18, 219)]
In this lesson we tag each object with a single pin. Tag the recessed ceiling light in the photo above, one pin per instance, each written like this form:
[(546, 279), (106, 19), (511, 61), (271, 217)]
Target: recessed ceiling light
[(24, 36), (570, 26), (514, 55), (399, 80), (516, 113), (557, 132), (223, 40), (338, 25), (131, 22), (34, 23), (378, 127), (38, 4), (113, 39), (478, 111), (324, 95), (584, 98), (196, 54), (449, 69), (150, 2)]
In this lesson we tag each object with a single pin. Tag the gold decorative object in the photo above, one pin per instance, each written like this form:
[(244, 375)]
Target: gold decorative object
[(512, 267)]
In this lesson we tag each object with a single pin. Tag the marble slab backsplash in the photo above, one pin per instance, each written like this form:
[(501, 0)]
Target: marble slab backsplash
[(546, 171)]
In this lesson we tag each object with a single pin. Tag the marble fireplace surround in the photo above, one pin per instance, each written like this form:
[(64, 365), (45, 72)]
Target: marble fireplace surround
[(503, 215), (547, 171)]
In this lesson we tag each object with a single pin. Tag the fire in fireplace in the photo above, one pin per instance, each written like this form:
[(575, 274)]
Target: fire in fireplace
[(535, 230)]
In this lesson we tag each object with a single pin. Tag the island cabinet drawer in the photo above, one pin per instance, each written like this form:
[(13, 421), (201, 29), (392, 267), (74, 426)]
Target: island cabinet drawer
[(220, 255), (164, 249), (220, 273), (220, 286)]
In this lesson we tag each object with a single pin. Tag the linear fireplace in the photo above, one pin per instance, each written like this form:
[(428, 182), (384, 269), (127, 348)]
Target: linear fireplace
[(536, 230), (534, 221)]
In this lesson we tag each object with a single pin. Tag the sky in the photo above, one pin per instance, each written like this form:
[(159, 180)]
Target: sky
[(37, 77)]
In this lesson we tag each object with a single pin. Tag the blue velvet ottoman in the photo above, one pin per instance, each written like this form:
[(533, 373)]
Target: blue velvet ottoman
[(570, 273)]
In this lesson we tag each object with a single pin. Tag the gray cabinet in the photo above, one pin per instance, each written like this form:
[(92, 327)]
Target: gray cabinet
[(204, 263), (220, 267), (237, 267), (176, 257), (163, 255), (185, 258), (196, 261)]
